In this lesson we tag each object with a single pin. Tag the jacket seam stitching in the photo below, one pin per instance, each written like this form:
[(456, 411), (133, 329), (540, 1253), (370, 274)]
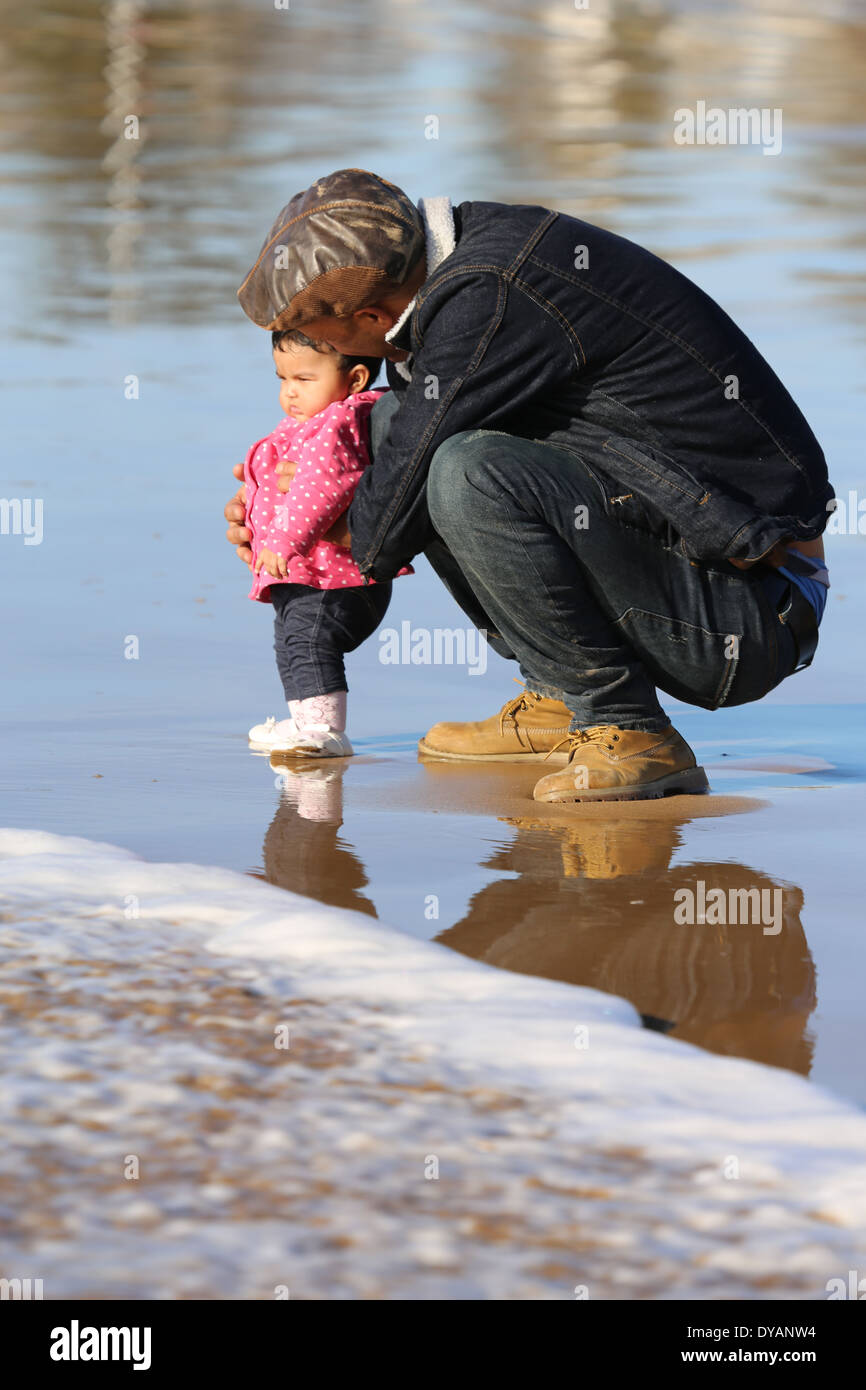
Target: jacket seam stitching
[(682, 344), (540, 299), (508, 274), (427, 290), (522, 285), (666, 482)]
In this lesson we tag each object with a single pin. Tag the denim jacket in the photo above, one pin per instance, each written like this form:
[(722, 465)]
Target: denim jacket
[(542, 325)]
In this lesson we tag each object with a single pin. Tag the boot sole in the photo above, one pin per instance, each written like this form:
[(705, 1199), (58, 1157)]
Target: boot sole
[(554, 759), (693, 780)]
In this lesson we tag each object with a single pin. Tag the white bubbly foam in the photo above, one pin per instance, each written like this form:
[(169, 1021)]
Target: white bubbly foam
[(799, 1149)]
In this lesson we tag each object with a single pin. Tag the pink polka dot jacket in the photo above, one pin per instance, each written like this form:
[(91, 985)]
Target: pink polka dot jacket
[(331, 452)]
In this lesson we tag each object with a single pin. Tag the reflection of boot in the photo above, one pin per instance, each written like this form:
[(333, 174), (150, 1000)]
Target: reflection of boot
[(592, 902), (607, 848)]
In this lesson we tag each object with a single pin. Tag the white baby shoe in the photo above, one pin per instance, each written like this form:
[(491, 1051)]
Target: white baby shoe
[(273, 733), (317, 741)]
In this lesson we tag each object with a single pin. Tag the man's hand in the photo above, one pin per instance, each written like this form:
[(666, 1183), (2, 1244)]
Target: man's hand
[(272, 564), (339, 531), (235, 512)]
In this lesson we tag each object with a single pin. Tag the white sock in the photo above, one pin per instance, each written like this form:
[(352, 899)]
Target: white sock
[(329, 710)]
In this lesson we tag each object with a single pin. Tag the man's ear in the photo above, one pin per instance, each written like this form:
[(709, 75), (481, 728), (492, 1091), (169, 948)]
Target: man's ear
[(378, 314)]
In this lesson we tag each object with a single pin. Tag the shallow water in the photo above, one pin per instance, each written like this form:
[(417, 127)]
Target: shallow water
[(121, 259)]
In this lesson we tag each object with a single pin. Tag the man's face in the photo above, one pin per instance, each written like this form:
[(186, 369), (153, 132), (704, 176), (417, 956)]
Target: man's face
[(361, 334)]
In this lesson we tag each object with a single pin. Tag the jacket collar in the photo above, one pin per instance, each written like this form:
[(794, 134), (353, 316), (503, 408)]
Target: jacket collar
[(438, 218)]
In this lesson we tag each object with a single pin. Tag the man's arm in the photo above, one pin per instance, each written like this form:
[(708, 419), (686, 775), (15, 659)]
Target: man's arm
[(778, 557), (487, 351)]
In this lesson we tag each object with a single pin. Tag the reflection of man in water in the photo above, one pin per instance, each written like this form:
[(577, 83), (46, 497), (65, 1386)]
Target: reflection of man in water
[(594, 905), (303, 848)]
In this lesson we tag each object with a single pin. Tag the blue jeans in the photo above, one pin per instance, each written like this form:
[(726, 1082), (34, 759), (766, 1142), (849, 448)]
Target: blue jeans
[(591, 593), (314, 628)]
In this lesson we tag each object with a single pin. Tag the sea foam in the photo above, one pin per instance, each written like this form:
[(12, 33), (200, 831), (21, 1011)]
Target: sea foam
[(747, 1170)]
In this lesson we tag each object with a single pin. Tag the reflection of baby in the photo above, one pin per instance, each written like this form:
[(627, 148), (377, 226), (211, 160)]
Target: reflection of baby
[(322, 607)]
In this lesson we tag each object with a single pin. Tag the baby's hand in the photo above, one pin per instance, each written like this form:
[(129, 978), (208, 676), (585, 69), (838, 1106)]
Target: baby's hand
[(272, 564)]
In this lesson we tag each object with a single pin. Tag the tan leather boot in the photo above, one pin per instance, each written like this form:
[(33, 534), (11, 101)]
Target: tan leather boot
[(610, 764), (527, 729)]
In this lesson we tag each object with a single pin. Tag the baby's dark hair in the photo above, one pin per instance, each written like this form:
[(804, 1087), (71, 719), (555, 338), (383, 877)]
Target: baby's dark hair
[(344, 363)]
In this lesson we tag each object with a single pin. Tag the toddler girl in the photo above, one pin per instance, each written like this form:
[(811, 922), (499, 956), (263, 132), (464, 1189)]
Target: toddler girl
[(322, 607)]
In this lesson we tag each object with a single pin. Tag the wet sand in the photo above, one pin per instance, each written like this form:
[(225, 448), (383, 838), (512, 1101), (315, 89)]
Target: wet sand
[(462, 855), (708, 944), (504, 790)]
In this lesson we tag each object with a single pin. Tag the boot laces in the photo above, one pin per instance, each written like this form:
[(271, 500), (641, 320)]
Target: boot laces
[(605, 734), (525, 700)]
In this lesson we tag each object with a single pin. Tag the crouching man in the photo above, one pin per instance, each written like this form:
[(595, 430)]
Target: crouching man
[(600, 466)]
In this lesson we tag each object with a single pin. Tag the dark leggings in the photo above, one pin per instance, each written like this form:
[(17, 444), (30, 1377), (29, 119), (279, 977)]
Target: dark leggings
[(314, 628)]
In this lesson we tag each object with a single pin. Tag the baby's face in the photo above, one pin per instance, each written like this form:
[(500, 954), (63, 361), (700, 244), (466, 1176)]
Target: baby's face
[(309, 380)]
